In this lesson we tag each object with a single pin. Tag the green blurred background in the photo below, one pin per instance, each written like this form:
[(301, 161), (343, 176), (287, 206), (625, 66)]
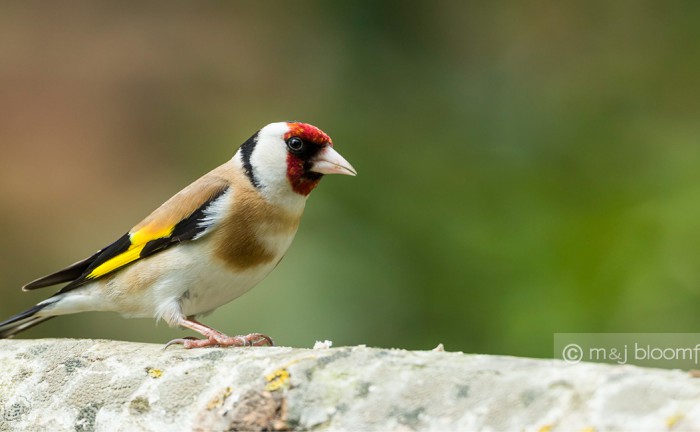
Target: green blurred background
[(525, 168)]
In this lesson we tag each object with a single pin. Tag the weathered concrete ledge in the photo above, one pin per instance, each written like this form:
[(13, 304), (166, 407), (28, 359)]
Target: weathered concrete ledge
[(98, 385)]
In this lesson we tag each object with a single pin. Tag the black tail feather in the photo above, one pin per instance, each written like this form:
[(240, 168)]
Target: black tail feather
[(22, 321), (68, 274)]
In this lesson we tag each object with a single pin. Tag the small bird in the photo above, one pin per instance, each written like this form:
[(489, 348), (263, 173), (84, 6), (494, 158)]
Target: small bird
[(207, 245)]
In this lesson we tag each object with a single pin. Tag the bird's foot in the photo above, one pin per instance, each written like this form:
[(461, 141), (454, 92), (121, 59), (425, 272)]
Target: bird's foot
[(221, 340), (215, 337)]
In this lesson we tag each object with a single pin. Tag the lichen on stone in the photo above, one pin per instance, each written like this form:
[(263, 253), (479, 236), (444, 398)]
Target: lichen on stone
[(218, 400), (277, 380), (154, 373), (72, 364), (85, 422)]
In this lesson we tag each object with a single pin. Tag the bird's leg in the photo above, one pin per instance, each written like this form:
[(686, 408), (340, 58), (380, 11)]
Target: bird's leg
[(216, 338)]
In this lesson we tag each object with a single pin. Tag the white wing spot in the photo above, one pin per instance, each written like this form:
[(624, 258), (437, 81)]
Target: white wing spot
[(213, 213)]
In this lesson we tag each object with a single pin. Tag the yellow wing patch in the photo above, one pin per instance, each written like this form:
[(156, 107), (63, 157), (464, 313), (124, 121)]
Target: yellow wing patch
[(148, 233), (138, 239)]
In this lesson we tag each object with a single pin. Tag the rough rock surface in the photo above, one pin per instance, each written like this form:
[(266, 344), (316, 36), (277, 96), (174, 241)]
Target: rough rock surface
[(97, 385)]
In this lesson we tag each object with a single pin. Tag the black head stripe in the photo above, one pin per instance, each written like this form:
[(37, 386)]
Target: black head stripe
[(246, 151)]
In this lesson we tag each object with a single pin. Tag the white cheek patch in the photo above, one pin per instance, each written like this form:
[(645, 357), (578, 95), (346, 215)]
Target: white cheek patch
[(269, 158), (269, 161)]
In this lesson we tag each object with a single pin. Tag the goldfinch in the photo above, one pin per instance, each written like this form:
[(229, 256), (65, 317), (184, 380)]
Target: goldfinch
[(207, 245)]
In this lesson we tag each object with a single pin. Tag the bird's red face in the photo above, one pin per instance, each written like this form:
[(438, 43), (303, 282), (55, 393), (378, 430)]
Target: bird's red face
[(310, 154)]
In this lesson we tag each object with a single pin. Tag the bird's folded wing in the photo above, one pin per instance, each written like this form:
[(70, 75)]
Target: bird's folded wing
[(186, 216)]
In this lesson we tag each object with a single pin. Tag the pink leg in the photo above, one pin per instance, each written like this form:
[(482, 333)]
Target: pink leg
[(216, 338)]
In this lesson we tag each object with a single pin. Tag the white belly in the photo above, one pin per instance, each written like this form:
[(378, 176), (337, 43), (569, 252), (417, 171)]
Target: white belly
[(212, 285), (196, 283)]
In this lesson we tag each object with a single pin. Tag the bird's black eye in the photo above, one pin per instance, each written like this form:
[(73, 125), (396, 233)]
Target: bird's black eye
[(295, 144)]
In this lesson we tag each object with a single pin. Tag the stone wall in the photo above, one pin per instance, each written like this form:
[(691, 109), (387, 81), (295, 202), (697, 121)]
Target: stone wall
[(97, 385)]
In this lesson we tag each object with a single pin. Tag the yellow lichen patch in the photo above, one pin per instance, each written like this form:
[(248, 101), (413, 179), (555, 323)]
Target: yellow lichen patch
[(218, 400), (154, 373), (545, 428), (671, 421), (277, 379), (588, 429)]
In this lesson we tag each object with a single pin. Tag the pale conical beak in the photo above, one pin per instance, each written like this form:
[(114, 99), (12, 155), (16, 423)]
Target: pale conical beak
[(330, 161)]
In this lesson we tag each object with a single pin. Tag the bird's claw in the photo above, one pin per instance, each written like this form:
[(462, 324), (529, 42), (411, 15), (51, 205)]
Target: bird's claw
[(258, 339), (179, 341)]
